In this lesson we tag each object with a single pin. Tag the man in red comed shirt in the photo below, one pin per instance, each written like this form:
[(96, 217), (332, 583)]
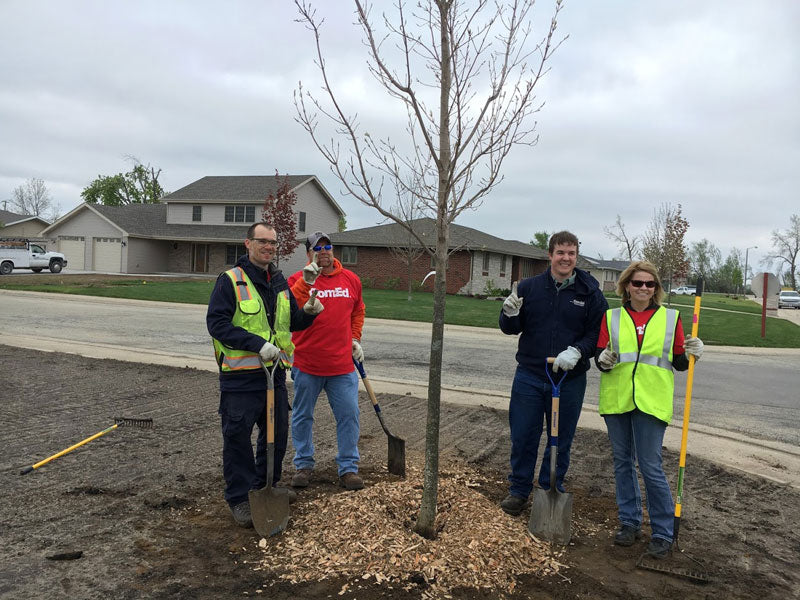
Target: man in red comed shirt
[(323, 360)]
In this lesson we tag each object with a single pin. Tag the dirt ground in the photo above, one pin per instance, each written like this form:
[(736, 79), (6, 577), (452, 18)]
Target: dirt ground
[(144, 507)]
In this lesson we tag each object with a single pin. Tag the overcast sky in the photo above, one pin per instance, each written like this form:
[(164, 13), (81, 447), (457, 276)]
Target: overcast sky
[(678, 101)]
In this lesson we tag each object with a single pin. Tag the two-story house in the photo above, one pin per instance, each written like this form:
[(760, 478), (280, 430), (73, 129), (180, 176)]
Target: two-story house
[(199, 228)]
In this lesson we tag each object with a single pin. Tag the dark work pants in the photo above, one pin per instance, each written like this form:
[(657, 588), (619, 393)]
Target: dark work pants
[(240, 412)]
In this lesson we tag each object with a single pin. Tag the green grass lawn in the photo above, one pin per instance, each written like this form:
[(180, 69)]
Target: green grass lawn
[(736, 323)]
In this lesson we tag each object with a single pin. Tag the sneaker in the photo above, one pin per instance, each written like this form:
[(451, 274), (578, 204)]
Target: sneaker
[(627, 535), (351, 481), (659, 548), (513, 505), (241, 514), (301, 478)]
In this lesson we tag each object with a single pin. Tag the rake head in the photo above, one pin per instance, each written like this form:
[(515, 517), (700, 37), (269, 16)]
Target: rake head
[(141, 423)]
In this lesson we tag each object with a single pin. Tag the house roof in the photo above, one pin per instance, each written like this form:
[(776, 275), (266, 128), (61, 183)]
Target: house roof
[(243, 188), (609, 265), (393, 234), (9, 218)]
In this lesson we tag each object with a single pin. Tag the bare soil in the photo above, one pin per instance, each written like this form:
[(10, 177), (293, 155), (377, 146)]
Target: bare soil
[(144, 509)]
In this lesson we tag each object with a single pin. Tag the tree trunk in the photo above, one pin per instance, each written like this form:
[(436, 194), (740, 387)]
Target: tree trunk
[(410, 263), (426, 519)]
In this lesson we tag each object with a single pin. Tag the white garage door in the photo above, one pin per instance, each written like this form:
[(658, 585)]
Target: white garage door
[(107, 253), (73, 248)]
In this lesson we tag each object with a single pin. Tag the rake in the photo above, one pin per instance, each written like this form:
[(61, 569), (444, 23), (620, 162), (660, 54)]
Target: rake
[(118, 422)]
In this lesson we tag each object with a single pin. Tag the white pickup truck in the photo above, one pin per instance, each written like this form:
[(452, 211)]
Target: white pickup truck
[(23, 254)]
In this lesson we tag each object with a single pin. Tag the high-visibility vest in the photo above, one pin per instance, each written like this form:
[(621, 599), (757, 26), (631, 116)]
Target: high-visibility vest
[(643, 377), (251, 314)]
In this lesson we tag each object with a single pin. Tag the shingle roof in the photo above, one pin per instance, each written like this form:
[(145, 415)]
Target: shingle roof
[(149, 221), (394, 234), (241, 188), (8, 218)]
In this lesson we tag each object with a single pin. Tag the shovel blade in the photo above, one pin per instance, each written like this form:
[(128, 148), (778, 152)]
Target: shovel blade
[(397, 455), (269, 508), (551, 515)]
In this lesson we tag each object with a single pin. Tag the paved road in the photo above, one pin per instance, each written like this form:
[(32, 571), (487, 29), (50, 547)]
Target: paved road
[(747, 391)]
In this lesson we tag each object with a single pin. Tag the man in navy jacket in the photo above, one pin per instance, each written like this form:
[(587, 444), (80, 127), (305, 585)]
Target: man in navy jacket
[(558, 314)]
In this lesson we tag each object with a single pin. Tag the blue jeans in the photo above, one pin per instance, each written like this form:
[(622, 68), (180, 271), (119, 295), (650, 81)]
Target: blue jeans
[(637, 435), (530, 405), (239, 413), (342, 392)]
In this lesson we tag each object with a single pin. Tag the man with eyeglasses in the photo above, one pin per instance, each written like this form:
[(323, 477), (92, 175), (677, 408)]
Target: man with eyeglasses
[(251, 314), (557, 314), (324, 356)]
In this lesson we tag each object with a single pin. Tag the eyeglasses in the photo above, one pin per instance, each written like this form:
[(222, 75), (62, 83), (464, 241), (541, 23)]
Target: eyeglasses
[(326, 246), (264, 242), (639, 283)]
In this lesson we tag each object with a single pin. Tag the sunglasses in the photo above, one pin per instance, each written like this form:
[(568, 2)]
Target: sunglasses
[(637, 283), (326, 246)]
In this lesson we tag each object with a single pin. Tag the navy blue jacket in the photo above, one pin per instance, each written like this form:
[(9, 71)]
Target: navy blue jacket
[(550, 320), (222, 306)]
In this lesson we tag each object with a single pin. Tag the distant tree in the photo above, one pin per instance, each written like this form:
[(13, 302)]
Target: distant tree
[(704, 260), (32, 198), (409, 250), (541, 239), (786, 251), (279, 212), (342, 225), (662, 243), (626, 244), (137, 186), (729, 275)]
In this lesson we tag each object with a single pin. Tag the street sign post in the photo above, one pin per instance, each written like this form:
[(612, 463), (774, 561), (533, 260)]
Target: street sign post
[(764, 285)]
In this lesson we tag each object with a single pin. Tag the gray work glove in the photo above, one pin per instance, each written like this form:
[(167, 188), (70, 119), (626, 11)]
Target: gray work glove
[(694, 346), (311, 271), (513, 303), (358, 352), (608, 358), (313, 306), (567, 359), (269, 352)]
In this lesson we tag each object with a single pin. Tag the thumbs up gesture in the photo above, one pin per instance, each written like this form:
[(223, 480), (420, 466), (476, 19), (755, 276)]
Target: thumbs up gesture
[(512, 304)]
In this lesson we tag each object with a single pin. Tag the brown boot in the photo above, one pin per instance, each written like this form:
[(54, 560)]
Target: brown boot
[(301, 478), (351, 481)]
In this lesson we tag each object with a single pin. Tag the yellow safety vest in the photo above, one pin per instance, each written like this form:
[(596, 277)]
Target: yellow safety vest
[(251, 315), (643, 377)]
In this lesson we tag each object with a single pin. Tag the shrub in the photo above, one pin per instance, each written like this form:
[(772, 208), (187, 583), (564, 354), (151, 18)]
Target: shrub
[(392, 283)]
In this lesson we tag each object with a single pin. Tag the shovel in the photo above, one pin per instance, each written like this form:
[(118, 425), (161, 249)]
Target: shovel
[(397, 446), (551, 510), (269, 506)]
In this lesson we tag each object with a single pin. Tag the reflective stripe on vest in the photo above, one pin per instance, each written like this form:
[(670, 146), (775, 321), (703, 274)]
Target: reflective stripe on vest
[(643, 377), (251, 315)]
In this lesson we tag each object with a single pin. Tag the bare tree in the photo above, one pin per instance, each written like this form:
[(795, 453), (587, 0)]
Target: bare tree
[(627, 245), (32, 198), (786, 251), (662, 243), (475, 61)]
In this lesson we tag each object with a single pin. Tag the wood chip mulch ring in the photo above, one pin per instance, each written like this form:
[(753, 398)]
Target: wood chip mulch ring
[(368, 535)]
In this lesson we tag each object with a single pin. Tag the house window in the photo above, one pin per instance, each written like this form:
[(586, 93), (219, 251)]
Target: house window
[(301, 221), (197, 213), (240, 213), (502, 265), (349, 255), (486, 257), (233, 252)]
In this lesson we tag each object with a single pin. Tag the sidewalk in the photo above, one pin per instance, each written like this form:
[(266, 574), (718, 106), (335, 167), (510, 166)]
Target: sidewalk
[(772, 460)]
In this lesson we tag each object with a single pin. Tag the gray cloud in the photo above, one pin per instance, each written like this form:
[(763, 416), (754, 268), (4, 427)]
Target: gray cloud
[(645, 103)]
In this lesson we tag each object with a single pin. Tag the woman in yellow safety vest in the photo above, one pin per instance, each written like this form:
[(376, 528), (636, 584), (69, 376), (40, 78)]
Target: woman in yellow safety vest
[(640, 344)]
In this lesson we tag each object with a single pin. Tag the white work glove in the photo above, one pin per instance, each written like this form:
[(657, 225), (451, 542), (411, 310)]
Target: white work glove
[(358, 353), (513, 303), (313, 306), (694, 346), (311, 271), (608, 358), (269, 352), (567, 359)]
